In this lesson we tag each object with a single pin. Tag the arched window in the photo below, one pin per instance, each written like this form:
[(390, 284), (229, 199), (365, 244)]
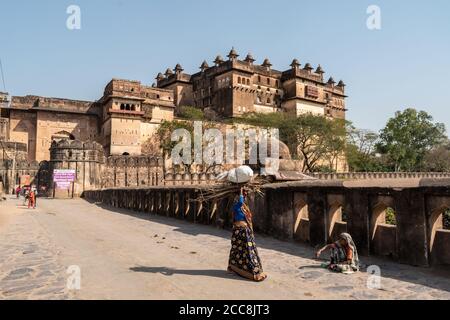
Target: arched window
[(239, 80), (248, 82), (122, 106), (259, 78), (133, 107), (268, 81)]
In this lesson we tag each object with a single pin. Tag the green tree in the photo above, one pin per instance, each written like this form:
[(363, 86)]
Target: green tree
[(408, 137), (446, 218), (438, 159), (361, 153), (191, 113)]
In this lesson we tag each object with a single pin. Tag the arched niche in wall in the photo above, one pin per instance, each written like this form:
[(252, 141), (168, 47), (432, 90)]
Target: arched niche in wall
[(439, 228), (60, 135), (383, 227), (335, 216), (301, 217)]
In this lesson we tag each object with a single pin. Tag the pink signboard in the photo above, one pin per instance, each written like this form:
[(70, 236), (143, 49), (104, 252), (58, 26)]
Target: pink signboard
[(63, 175)]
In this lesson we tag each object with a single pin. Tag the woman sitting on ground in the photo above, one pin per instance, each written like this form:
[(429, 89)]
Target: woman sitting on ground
[(343, 255)]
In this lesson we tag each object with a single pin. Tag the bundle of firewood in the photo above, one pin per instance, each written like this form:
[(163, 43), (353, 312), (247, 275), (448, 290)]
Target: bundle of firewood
[(225, 190)]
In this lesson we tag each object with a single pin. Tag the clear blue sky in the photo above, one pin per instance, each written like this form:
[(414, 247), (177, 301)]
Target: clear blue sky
[(405, 64)]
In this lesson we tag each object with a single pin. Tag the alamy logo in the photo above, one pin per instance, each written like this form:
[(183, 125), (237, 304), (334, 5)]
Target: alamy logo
[(74, 278), (73, 22), (239, 146), (374, 20), (374, 278)]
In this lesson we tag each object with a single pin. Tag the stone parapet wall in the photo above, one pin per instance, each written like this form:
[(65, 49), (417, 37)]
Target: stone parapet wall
[(133, 171), (379, 175)]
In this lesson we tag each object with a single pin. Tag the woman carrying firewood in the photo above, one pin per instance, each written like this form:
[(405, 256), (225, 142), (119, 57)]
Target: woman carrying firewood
[(244, 259)]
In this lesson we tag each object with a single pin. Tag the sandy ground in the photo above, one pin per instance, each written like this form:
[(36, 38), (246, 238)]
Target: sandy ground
[(5, 216), (123, 255)]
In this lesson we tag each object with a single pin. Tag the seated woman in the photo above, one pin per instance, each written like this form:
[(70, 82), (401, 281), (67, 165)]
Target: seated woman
[(244, 259), (343, 255)]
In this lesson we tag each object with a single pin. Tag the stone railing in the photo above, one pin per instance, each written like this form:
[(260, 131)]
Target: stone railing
[(316, 212), (179, 179), (379, 175)]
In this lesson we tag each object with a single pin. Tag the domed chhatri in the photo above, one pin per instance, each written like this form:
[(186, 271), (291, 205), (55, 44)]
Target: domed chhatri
[(178, 68), (168, 72), (204, 65), (266, 63), (218, 60), (233, 54), (319, 70), (295, 63), (249, 58), (308, 67)]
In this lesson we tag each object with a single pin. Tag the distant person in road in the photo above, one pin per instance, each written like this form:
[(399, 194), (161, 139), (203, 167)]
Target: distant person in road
[(343, 255), (34, 189), (18, 192), (32, 199), (26, 194), (244, 259)]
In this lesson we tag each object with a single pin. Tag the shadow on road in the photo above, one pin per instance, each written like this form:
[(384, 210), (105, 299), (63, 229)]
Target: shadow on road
[(169, 272)]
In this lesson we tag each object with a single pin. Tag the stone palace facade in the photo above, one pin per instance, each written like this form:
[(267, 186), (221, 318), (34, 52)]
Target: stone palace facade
[(128, 112)]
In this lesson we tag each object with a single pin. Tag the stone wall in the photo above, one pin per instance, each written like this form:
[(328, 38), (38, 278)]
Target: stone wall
[(129, 171), (379, 175), (14, 164), (86, 158), (417, 238)]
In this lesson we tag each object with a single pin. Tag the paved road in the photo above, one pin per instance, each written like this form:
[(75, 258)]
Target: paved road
[(122, 255)]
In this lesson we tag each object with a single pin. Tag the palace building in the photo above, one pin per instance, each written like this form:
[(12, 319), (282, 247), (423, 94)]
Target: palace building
[(128, 113), (232, 87), (125, 116)]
